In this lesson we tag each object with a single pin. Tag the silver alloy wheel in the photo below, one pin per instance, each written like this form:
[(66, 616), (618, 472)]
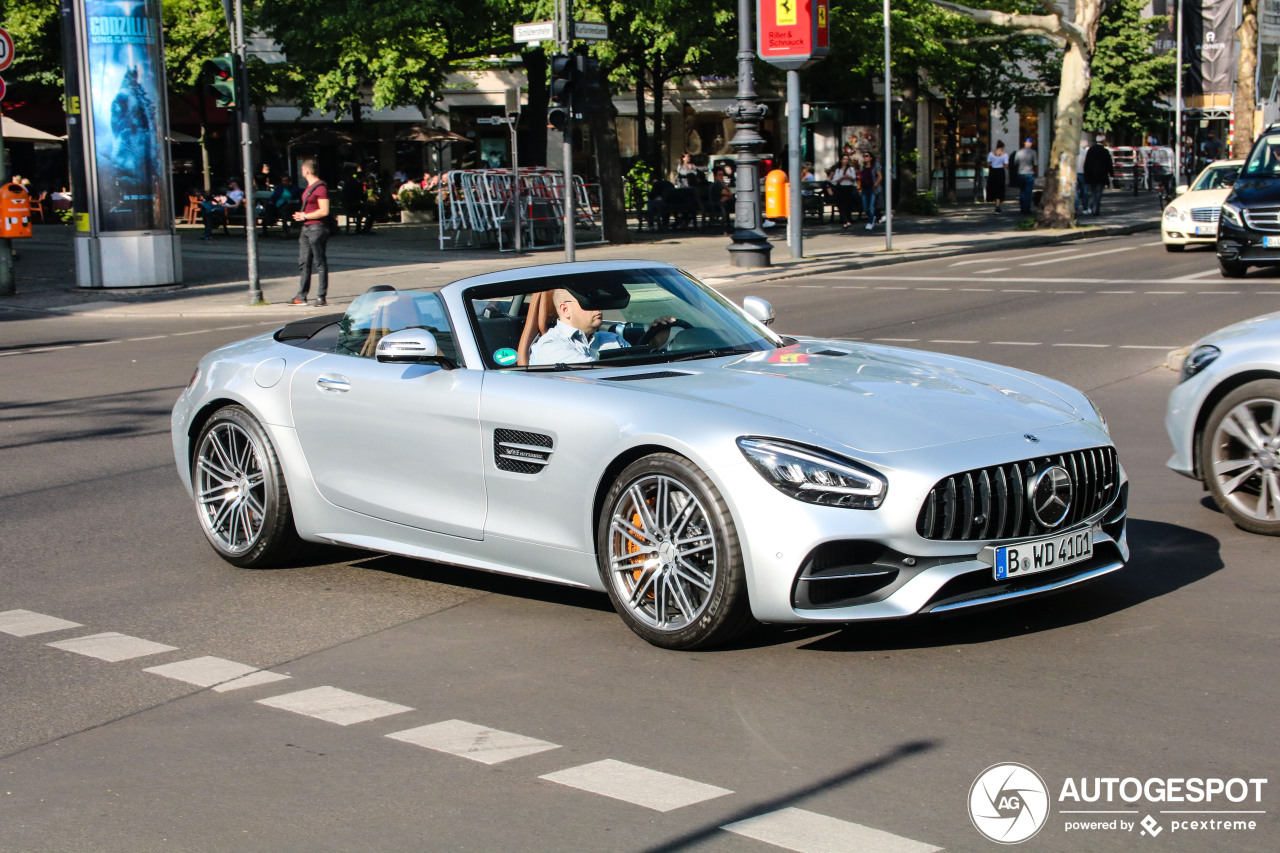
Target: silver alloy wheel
[(1245, 459), (231, 488), (662, 553)]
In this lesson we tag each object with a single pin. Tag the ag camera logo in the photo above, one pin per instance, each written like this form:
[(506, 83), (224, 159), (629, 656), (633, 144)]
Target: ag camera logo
[(1008, 803)]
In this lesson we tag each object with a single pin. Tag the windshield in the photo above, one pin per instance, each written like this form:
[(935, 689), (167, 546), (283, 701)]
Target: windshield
[(610, 316), (1215, 178), (1264, 159)]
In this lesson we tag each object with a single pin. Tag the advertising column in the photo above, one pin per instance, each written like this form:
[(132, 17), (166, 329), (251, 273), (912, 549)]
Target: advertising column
[(116, 131)]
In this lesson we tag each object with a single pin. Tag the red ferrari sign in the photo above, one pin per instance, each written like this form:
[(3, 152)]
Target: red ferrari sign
[(791, 34)]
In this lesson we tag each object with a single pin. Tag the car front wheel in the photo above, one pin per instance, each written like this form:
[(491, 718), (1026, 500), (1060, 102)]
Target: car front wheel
[(669, 555), (1240, 456), (241, 498)]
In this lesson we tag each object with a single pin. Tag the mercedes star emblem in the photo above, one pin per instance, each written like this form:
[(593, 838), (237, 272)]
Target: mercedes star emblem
[(1051, 495)]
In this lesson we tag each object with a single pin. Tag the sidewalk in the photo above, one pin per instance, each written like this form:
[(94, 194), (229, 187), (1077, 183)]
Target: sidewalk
[(408, 256)]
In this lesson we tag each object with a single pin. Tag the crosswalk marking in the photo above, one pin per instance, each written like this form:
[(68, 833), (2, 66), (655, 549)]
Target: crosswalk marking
[(24, 623), (112, 646), (640, 786), (488, 746), (204, 671), (810, 832), (334, 706), (253, 679)]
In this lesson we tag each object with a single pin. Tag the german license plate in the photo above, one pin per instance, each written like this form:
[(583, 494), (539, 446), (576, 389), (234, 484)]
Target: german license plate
[(1043, 555), (1271, 242), (1205, 230)]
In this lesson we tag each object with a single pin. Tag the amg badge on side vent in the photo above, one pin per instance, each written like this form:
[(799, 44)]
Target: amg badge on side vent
[(521, 452)]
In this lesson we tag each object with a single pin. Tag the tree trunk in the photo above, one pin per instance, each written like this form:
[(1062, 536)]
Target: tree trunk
[(604, 132), (950, 156), (1246, 100), (1058, 205), (908, 156), (642, 121), (659, 86)]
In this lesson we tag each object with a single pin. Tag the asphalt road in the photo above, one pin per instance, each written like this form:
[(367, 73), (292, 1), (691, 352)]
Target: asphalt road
[(871, 735)]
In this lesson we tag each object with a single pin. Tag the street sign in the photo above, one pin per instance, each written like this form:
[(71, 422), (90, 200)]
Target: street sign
[(1, 88), (6, 49), (792, 34), (535, 32), (590, 31)]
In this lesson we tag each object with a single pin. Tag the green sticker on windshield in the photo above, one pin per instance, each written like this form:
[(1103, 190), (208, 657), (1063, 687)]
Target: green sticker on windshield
[(505, 356)]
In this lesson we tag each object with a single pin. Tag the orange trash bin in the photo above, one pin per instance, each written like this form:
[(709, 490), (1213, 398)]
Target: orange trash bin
[(15, 211), (777, 198)]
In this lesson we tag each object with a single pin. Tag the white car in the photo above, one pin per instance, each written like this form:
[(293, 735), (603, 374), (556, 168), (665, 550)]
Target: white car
[(1224, 421), (1192, 217)]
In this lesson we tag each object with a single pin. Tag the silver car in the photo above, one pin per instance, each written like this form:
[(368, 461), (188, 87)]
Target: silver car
[(1224, 421), (702, 470)]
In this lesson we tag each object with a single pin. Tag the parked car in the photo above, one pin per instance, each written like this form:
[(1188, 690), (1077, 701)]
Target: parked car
[(1224, 421), (1192, 217), (702, 470), (1249, 230)]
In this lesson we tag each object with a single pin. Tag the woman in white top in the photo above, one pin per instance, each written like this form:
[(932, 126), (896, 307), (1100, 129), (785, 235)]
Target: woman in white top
[(845, 181), (997, 165)]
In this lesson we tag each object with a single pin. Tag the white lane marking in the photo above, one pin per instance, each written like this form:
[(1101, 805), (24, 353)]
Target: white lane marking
[(1116, 292), (24, 623), (1219, 293), (203, 671), (848, 287), (1092, 346), (640, 786), (1196, 275), (1085, 256), (987, 272), (1012, 290), (1140, 346), (975, 290), (253, 679), (1017, 257), (334, 706), (810, 832), (488, 746), (1165, 292), (1156, 243), (99, 343), (940, 289), (196, 332), (811, 286), (886, 287), (1068, 291), (112, 646), (897, 340), (1015, 343), (148, 338), (946, 341)]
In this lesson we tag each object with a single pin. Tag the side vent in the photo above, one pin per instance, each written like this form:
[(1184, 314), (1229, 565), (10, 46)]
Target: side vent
[(834, 353), (521, 452)]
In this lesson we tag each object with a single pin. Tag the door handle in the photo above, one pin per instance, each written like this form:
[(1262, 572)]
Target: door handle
[(333, 383)]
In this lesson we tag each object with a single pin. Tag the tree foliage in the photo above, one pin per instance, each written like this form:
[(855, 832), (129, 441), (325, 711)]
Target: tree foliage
[(37, 42), (1127, 75)]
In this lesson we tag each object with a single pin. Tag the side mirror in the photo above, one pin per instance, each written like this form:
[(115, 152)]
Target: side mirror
[(411, 346), (1181, 189), (760, 309)]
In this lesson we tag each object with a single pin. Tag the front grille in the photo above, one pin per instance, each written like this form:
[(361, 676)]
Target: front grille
[(1205, 214), (521, 452), (1263, 218), (992, 503)]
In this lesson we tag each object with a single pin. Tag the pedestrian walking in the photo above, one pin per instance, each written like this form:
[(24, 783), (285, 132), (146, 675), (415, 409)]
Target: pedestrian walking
[(314, 236), (997, 167), (845, 181), (869, 179), (1098, 169), (1026, 164), (1082, 189)]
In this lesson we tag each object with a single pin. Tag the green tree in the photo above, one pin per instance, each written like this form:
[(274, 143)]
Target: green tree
[(1127, 75), (36, 73)]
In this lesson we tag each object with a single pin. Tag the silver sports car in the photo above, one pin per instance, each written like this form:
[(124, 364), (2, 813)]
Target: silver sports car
[(622, 427)]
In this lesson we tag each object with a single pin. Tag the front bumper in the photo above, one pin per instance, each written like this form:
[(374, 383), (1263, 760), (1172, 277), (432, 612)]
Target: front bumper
[(1242, 244)]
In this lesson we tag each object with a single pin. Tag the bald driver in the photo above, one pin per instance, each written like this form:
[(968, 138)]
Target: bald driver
[(576, 336)]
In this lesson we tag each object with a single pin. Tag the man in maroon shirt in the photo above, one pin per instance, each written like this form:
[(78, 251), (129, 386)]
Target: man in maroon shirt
[(311, 242)]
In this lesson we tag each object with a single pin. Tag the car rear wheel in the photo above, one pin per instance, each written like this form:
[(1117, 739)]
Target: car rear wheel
[(669, 555), (1240, 456), (1232, 269), (241, 498)]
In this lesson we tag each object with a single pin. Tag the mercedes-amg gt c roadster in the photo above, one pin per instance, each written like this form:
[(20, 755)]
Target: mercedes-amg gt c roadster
[(622, 427)]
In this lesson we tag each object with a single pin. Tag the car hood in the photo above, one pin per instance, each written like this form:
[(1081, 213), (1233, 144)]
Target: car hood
[(1251, 192), (1200, 198), (874, 399)]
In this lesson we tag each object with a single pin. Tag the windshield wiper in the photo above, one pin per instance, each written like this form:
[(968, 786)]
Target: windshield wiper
[(562, 366), (718, 352)]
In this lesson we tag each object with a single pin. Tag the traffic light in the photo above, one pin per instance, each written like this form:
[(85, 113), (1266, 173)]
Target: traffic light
[(563, 69), (586, 83), (223, 83)]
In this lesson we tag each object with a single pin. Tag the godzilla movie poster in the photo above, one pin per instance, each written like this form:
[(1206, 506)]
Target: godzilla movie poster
[(126, 93)]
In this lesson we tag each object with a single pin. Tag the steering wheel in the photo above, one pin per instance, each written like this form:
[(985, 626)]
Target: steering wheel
[(658, 326)]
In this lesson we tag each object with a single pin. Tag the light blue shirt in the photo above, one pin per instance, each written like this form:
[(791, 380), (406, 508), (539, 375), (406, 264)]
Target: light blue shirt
[(563, 344)]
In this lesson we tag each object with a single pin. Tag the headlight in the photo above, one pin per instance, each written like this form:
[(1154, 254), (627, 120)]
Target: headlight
[(195, 377), (1101, 418), (1232, 214), (1172, 214), (1198, 359), (814, 476)]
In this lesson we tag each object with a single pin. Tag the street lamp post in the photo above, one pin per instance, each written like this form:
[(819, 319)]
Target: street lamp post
[(750, 247)]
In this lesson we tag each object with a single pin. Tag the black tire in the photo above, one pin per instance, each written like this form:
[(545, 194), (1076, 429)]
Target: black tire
[(1232, 269), (242, 502), (655, 590), (1174, 247), (1241, 472)]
